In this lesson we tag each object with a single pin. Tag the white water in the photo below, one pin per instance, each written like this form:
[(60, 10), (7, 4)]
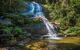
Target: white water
[(51, 29)]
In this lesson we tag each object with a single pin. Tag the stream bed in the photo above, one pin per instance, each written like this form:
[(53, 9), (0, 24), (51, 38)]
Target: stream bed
[(67, 43)]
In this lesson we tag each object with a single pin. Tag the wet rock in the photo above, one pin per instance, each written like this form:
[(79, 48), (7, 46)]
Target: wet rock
[(39, 29), (5, 21)]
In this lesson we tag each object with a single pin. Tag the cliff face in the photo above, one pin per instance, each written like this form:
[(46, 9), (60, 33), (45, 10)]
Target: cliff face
[(36, 29)]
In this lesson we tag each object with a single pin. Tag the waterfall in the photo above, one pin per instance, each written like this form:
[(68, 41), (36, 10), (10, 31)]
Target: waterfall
[(52, 34)]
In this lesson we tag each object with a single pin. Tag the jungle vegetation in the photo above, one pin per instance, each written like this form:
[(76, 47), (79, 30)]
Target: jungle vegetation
[(65, 13)]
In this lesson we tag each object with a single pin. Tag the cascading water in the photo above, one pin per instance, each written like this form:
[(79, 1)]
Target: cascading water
[(51, 30), (34, 9)]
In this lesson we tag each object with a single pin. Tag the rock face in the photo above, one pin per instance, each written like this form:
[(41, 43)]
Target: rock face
[(39, 29), (5, 22)]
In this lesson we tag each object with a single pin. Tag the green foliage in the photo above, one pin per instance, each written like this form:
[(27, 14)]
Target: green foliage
[(73, 31), (66, 13), (8, 30)]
